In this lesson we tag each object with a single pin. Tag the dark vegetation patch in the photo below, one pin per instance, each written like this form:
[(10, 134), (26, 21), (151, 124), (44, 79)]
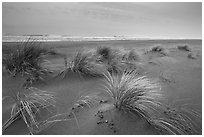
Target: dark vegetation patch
[(192, 55), (117, 60), (131, 56), (26, 60), (82, 64), (184, 48), (158, 49)]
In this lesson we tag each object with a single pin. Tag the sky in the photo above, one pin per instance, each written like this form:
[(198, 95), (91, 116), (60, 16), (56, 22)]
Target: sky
[(136, 19)]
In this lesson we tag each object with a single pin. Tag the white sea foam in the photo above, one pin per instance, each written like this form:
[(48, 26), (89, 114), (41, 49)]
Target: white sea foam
[(50, 38), (44, 38)]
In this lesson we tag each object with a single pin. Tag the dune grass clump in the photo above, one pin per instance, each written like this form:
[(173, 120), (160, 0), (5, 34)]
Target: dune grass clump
[(180, 120), (114, 66), (134, 93), (27, 105), (110, 58), (104, 54), (109, 54), (88, 100), (26, 60), (131, 56), (158, 49), (116, 60), (81, 63), (191, 55), (184, 48)]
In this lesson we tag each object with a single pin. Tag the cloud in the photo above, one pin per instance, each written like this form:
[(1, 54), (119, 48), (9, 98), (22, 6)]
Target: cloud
[(135, 19)]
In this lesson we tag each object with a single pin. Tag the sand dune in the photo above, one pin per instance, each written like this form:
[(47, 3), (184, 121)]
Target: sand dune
[(180, 78)]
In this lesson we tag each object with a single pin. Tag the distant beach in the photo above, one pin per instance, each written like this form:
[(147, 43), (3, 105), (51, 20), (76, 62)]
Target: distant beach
[(50, 38)]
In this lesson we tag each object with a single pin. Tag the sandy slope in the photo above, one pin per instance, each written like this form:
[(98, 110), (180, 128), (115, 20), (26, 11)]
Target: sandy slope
[(180, 77)]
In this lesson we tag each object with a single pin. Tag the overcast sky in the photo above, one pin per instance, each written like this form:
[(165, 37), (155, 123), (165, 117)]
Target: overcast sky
[(149, 20)]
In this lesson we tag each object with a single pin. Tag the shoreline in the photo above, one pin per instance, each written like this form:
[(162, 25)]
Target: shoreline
[(107, 40)]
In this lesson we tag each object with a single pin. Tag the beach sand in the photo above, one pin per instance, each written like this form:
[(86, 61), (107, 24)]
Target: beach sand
[(180, 77)]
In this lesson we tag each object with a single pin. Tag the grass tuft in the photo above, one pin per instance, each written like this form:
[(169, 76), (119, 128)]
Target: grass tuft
[(27, 60), (191, 55), (82, 64), (184, 47), (27, 105), (88, 100), (131, 56), (111, 59), (104, 54), (178, 120), (158, 49), (133, 93)]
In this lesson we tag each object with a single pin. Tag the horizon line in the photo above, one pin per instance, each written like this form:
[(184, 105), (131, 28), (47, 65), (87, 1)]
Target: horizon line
[(94, 37)]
